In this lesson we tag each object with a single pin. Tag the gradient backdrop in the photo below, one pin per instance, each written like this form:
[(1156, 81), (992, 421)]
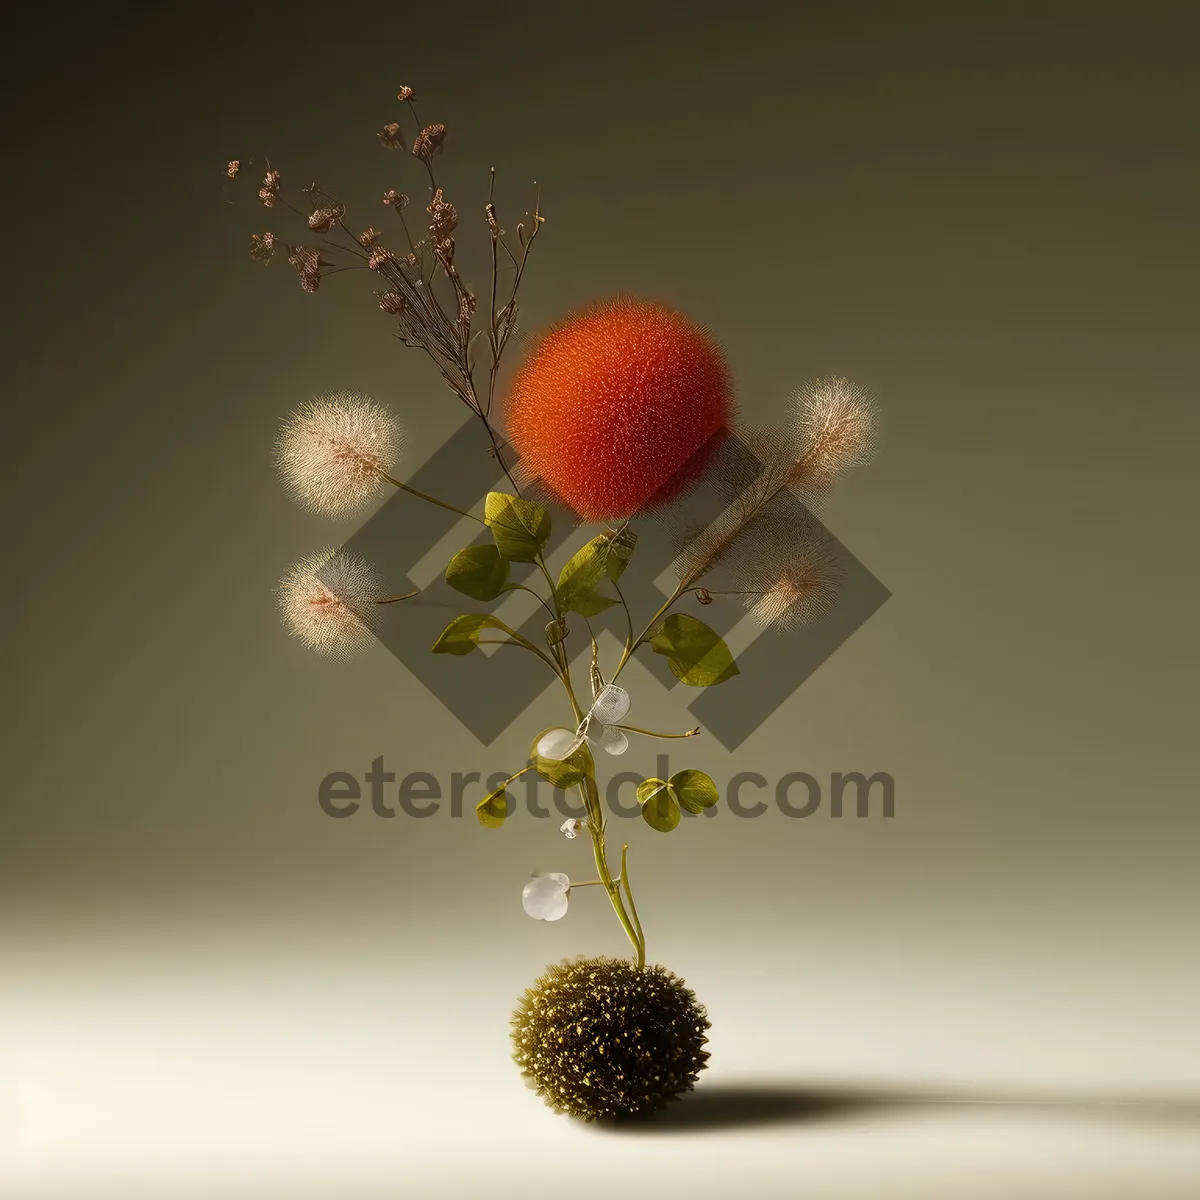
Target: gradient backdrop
[(984, 213)]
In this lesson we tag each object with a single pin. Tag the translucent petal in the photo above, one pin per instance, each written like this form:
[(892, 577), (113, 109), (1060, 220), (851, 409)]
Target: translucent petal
[(544, 897), (559, 744), (611, 705), (614, 740)]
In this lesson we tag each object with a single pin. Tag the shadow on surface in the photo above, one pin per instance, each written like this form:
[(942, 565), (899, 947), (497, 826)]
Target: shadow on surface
[(741, 1106)]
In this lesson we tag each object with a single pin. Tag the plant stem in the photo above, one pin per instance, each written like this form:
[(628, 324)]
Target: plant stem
[(628, 617), (498, 455), (633, 909), (631, 647), (412, 491), (559, 661), (651, 733), (520, 587), (591, 800)]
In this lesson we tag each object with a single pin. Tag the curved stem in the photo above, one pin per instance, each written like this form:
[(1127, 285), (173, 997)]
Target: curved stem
[(412, 491), (520, 587), (515, 639), (629, 649), (596, 827), (651, 733), (628, 617), (540, 561), (394, 599), (633, 909)]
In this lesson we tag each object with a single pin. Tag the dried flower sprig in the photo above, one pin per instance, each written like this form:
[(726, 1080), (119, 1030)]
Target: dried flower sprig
[(444, 329)]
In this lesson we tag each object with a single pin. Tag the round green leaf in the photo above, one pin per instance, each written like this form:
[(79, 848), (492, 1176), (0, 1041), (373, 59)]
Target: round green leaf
[(648, 787), (696, 654), (695, 790), (566, 772), (479, 572), (520, 528), (493, 808), (660, 808)]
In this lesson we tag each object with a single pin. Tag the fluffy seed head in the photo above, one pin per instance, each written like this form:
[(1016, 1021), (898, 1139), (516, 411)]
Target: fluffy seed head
[(767, 546), (833, 429), (328, 602), (803, 589), (334, 451), (599, 1039), (618, 407)]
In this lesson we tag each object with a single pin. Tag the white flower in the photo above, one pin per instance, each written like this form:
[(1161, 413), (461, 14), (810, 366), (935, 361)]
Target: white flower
[(334, 451), (544, 897), (599, 727), (570, 827), (328, 601)]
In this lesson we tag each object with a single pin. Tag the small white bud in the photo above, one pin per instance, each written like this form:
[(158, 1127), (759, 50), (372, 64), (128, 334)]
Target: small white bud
[(544, 897)]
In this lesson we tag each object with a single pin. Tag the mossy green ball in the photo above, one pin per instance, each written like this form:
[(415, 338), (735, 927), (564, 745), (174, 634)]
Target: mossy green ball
[(599, 1038)]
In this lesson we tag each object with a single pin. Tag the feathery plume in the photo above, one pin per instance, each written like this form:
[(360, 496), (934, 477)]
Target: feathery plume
[(760, 538), (327, 601), (334, 451), (833, 429), (804, 586)]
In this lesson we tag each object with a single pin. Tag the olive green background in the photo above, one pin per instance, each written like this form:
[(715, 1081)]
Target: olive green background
[(984, 213)]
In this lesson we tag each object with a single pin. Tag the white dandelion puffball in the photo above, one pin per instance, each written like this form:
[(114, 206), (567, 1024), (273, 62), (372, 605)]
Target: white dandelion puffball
[(328, 602), (544, 897), (334, 452)]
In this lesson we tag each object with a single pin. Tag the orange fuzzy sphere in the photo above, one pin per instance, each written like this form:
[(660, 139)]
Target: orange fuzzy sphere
[(618, 407)]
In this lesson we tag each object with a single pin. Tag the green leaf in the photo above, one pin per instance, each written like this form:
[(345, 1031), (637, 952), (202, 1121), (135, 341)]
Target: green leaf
[(556, 631), (493, 808), (697, 655), (648, 787), (660, 808), (519, 527), (479, 572), (577, 581), (461, 636), (563, 773), (620, 550), (694, 790), (591, 606)]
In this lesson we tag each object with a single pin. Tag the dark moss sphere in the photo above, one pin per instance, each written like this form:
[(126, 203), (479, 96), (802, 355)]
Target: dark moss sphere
[(599, 1038)]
